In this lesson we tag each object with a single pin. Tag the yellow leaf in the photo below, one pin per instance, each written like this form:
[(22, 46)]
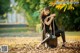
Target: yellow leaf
[(65, 8), (52, 3), (60, 6)]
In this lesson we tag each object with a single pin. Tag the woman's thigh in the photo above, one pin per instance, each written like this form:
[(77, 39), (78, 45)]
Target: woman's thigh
[(58, 32)]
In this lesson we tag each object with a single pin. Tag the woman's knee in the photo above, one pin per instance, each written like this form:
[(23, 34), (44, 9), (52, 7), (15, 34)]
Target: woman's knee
[(60, 31)]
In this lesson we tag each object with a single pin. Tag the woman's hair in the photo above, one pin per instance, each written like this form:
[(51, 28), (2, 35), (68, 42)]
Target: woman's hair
[(42, 14), (47, 8)]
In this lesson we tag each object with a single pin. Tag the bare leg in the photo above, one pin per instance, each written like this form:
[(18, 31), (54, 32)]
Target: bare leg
[(63, 36)]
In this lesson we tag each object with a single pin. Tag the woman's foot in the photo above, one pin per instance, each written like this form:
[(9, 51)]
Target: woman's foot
[(64, 43)]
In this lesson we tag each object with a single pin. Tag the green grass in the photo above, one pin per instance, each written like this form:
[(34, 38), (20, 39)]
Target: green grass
[(17, 29), (28, 31), (12, 30), (73, 33)]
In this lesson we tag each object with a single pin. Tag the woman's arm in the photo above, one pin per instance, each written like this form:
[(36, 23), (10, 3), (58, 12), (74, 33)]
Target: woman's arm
[(50, 20)]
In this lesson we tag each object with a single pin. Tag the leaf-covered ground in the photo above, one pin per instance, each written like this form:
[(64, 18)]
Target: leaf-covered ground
[(28, 45)]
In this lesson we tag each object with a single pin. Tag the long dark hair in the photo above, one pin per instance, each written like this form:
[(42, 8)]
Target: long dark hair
[(42, 15), (46, 8)]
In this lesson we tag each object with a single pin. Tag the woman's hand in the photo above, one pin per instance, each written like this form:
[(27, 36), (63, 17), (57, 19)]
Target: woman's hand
[(48, 22), (53, 15)]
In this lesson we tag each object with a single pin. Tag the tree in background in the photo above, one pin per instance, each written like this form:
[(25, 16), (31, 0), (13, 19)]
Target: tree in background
[(32, 9), (4, 7), (67, 14)]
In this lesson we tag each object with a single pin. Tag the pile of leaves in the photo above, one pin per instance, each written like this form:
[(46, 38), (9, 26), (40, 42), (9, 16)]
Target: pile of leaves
[(70, 47)]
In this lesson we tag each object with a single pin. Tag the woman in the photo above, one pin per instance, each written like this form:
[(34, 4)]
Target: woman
[(47, 24)]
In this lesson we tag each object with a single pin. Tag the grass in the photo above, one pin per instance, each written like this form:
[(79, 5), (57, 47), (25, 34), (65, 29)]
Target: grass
[(73, 33), (28, 32), (17, 29)]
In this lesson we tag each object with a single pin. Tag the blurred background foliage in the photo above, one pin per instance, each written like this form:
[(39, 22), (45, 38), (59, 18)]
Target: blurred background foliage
[(4, 8), (67, 15)]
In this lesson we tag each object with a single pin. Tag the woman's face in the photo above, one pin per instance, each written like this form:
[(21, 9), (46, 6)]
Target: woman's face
[(46, 12)]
